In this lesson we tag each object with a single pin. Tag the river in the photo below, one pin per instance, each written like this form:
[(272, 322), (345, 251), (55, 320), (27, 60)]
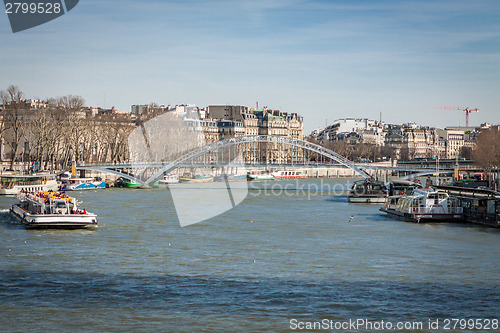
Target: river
[(277, 259)]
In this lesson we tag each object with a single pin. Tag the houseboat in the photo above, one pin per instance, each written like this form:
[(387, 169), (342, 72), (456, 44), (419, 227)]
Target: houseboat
[(14, 184), (367, 191), (51, 210), (424, 205), (283, 174), (74, 184)]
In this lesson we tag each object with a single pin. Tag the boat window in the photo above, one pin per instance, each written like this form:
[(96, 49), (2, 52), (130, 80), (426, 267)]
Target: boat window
[(60, 204)]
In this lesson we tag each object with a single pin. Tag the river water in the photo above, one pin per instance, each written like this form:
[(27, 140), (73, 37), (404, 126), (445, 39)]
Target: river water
[(278, 258)]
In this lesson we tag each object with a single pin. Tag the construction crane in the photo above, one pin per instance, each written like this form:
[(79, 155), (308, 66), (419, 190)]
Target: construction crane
[(467, 111)]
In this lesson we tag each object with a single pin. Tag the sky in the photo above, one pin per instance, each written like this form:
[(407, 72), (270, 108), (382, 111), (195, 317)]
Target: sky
[(325, 60)]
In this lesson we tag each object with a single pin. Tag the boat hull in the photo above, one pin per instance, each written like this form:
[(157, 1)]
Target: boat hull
[(230, 178), (197, 180), (131, 185), (165, 184), (128, 185), (288, 177), (54, 221), (260, 177), (84, 186), (424, 218)]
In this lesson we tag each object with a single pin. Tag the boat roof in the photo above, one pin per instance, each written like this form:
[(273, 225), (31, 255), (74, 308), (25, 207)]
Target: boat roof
[(369, 181), (425, 191), (469, 191), (404, 182)]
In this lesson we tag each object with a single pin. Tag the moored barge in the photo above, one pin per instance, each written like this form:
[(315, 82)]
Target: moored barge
[(424, 205)]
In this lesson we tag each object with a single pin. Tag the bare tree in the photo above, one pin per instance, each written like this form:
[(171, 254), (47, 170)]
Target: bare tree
[(74, 124), (14, 122), (466, 152), (486, 152)]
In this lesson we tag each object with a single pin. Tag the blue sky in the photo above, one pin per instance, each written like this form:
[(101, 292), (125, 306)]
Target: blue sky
[(322, 59)]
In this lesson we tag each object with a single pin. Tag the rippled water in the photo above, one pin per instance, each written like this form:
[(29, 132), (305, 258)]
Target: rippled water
[(278, 255)]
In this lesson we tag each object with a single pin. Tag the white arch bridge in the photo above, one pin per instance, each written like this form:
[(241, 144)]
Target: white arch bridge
[(158, 169)]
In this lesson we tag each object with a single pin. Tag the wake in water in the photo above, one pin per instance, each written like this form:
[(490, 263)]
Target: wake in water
[(7, 220)]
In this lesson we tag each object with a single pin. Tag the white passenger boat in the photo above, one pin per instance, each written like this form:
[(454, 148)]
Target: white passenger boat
[(14, 184), (424, 205), (51, 210), (170, 178), (289, 174), (73, 184)]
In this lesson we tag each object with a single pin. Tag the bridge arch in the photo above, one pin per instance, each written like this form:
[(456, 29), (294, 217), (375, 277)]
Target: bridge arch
[(240, 140)]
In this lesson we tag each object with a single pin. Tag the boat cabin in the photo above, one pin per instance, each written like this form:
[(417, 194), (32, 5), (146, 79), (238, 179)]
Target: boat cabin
[(364, 187)]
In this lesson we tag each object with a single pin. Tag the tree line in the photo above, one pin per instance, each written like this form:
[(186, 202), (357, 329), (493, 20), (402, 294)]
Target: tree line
[(59, 133)]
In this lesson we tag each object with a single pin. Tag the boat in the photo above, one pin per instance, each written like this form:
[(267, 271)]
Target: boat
[(196, 179), (367, 191), (260, 176), (289, 174), (397, 189), (41, 209), (125, 182), (229, 177), (14, 184), (402, 187), (424, 205), (74, 184), (480, 205), (170, 178)]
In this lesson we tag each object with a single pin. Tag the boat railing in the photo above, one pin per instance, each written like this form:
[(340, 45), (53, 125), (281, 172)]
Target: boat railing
[(437, 209), (21, 196)]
